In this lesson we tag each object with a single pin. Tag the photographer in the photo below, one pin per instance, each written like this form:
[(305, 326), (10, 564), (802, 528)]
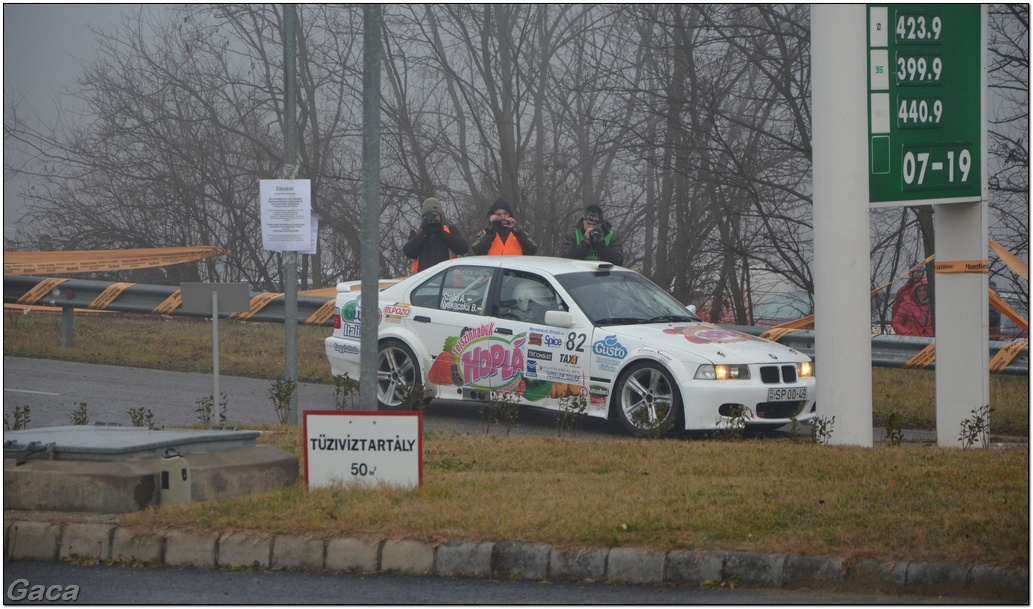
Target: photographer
[(433, 242), (594, 239), (503, 237)]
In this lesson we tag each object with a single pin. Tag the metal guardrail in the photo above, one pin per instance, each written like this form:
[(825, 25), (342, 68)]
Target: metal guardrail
[(888, 351), (149, 299)]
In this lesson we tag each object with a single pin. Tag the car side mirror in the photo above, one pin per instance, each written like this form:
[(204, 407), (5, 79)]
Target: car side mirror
[(691, 308), (559, 319)]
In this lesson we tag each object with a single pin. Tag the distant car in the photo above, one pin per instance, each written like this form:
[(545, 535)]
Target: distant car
[(558, 333)]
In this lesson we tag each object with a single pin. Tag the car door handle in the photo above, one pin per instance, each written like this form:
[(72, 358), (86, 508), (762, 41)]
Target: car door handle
[(422, 318), (503, 331)]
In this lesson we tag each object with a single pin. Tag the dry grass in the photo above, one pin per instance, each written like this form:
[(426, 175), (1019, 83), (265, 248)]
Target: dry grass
[(256, 350), (894, 503)]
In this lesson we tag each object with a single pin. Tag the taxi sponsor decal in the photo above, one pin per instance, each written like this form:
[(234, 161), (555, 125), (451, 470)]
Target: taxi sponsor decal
[(703, 335), (598, 394)]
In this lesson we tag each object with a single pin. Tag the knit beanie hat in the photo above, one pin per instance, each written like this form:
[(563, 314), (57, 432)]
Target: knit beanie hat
[(431, 205), (593, 213), (500, 203)]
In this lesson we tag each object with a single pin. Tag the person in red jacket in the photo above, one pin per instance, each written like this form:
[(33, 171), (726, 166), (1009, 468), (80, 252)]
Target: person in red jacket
[(914, 316), (904, 292), (503, 237)]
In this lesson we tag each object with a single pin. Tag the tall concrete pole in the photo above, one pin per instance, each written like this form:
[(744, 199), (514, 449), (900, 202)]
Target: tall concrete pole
[(369, 248), (290, 170), (842, 306)]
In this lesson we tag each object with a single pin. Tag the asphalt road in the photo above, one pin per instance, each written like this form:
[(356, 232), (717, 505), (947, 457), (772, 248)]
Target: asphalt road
[(52, 391), (118, 585)]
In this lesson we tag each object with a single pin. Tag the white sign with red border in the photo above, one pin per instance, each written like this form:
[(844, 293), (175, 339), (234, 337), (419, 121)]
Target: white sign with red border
[(364, 447)]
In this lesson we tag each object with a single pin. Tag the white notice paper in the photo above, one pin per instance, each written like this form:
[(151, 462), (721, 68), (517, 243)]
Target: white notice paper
[(286, 215)]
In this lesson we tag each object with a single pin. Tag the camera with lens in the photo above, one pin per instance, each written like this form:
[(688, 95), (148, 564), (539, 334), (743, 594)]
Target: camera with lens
[(595, 235), (431, 223), (499, 224)]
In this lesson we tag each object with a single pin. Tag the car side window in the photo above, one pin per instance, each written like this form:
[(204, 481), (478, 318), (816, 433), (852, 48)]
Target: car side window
[(464, 289), (526, 297)]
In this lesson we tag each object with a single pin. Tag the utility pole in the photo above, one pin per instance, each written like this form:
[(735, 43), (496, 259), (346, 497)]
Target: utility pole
[(370, 255), (290, 171)]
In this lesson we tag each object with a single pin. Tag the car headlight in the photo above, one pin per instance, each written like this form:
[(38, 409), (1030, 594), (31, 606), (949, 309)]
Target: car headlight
[(804, 370), (722, 372)]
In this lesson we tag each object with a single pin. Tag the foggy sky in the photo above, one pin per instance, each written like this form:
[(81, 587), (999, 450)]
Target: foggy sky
[(45, 46)]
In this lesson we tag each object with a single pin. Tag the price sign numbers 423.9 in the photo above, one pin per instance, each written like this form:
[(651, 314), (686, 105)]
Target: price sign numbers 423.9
[(918, 27)]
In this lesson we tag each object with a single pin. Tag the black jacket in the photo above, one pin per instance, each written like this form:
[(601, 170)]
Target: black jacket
[(578, 247), (428, 249)]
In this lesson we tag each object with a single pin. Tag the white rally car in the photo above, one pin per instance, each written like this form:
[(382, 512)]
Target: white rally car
[(556, 332)]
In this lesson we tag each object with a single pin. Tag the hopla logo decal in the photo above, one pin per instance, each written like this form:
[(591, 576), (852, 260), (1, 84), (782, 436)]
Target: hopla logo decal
[(703, 336), (483, 356), (610, 347)]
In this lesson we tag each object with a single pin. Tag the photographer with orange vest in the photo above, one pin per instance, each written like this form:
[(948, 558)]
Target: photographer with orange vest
[(503, 237), (433, 242)]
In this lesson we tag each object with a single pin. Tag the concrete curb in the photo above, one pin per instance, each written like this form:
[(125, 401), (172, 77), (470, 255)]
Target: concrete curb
[(39, 540)]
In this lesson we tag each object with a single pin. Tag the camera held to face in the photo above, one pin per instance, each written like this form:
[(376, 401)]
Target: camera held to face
[(595, 235), (499, 224), (431, 223)]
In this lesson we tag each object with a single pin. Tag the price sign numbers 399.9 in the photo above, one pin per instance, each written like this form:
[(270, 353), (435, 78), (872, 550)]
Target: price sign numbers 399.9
[(925, 111)]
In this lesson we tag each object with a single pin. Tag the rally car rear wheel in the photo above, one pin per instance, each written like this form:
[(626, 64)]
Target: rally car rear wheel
[(648, 402), (397, 373)]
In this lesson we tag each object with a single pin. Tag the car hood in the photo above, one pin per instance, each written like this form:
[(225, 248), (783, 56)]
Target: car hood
[(714, 343)]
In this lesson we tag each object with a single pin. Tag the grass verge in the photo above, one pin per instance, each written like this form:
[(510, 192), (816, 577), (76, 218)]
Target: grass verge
[(896, 503)]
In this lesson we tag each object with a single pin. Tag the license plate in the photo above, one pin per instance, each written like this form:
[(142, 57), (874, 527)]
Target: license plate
[(787, 394)]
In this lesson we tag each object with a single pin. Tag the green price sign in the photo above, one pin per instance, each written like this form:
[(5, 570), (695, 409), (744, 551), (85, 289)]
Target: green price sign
[(925, 117)]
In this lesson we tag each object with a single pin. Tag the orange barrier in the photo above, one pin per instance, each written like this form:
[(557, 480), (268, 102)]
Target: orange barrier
[(92, 261)]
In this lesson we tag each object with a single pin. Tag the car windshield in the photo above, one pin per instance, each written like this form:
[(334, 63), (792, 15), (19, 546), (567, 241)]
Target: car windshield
[(622, 297)]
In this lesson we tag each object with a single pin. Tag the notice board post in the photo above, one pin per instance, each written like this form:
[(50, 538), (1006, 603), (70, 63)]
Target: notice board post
[(215, 298)]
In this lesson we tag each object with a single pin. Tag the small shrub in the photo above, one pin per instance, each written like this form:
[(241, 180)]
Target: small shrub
[(20, 419), (205, 406), (653, 429), (344, 389), (141, 417), (282, 393), (976, 428), (414, 397), (80, 416), (894, 430), (572, 411), (500, 409), (734, 426), (821, 430)]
